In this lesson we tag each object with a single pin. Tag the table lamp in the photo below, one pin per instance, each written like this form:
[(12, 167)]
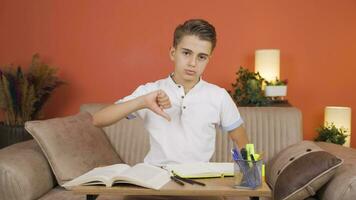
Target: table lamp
[(340, 117), (267, 63)]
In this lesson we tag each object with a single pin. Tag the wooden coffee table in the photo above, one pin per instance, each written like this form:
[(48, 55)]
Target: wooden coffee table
[(214, 187)]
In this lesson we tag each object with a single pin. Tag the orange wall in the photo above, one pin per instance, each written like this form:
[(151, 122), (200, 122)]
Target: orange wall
[(104, 49)]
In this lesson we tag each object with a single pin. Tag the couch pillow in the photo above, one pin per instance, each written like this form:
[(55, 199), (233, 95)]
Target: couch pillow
[(299, 170), (72, 145), (343, 185)]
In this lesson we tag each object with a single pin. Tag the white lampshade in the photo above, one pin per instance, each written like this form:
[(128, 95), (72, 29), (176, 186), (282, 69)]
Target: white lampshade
[(340, 117), (267, 63)]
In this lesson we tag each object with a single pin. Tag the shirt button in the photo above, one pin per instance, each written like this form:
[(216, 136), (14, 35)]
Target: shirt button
[(179, 86), (182, 97), (184, 107)]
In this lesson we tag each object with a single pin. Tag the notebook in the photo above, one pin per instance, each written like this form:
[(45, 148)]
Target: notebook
[(202, 170), (141, 174)]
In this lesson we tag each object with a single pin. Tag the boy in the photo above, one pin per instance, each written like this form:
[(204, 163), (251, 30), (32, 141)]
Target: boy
[(182, 111)]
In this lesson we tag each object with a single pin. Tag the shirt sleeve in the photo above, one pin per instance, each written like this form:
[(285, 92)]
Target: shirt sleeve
[(230, 117), (140, 91)]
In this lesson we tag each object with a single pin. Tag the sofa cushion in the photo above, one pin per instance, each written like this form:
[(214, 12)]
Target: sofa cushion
[(72, 145), (299, 170), (24, 172), (343, 185), (129, 138), (345, 153)]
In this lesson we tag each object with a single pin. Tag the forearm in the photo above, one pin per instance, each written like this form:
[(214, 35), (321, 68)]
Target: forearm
[(239, 136), (116, 112)]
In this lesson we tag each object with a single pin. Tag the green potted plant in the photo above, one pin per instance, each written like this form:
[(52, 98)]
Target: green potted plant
[(22, 96), (330, 133), (248, 89), (276, 88)]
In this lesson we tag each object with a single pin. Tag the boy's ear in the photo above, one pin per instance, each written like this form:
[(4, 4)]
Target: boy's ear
[(172, 52)]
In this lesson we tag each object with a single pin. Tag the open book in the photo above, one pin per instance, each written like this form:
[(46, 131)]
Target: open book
[(142, 174), (202, 170)]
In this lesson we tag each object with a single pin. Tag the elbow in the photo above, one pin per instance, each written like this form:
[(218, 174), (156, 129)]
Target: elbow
[(96, 122)]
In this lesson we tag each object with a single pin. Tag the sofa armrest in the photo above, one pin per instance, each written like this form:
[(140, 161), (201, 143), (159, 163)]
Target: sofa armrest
[(24, 172)]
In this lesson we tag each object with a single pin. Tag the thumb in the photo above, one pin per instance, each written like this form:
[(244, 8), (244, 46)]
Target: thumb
[(161, 113)]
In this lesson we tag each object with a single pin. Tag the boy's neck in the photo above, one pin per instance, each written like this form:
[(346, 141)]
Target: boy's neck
[(187, 85)]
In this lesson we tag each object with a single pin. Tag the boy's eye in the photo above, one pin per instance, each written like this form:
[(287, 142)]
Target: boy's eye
[(186, 53), (202, 58)]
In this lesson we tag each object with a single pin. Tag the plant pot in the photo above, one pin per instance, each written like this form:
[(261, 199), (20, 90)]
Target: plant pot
[(12, 134), (276, 91)]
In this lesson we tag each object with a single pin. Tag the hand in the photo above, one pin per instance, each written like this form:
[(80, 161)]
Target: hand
[(157, 101)]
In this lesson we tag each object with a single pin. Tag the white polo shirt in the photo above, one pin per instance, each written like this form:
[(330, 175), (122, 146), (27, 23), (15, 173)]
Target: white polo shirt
[(190, 135)]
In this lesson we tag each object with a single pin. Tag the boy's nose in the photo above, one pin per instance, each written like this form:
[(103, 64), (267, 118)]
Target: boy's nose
[(192, 62)]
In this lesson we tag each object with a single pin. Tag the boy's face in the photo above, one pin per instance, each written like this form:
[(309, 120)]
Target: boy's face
[(190, 57)]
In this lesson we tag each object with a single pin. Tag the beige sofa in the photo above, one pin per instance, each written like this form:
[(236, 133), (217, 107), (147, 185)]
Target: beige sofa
[(26, 175)]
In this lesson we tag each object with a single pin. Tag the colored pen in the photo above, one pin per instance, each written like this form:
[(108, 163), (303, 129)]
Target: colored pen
[(177, 180), (187, 180), (244, 153), (191, 181), (252, 157), (234, 154)]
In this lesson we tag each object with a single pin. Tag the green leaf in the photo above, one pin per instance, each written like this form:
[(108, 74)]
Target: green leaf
[(248, 89), (330, 133)]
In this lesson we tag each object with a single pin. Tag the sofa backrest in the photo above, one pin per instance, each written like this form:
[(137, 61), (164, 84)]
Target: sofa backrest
[(270, 128)]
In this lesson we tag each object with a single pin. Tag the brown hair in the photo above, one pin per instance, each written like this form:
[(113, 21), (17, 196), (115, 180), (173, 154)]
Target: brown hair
[(196, 27)]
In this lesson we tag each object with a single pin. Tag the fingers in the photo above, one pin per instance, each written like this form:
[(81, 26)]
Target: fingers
[(157, 101), (163, 100), (162, 95), (164, 105)]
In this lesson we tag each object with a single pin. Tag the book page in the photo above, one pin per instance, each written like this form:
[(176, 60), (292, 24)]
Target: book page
[(98, 175), (145, 175), (202, 170), (224, 168)]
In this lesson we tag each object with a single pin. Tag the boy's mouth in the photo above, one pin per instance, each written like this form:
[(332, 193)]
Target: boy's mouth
[(190, 72)]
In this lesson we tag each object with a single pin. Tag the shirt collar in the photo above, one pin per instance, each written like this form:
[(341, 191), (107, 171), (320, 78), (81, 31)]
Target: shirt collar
[(173, 83)]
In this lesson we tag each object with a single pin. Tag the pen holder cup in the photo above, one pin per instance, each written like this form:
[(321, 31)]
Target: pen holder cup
[(248, 174)]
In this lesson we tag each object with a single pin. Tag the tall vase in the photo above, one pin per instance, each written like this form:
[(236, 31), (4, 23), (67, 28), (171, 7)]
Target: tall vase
[(12, 134)]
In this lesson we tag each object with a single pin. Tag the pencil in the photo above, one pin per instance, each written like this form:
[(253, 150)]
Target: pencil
[(177, 181)]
